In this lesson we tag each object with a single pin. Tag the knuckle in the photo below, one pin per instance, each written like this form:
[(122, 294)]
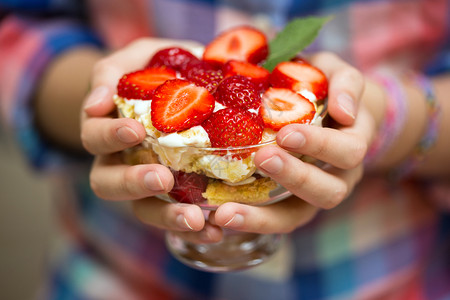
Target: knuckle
[(339, 194), (351, 74), (325, 56), (127, 183), (321, 148), (358, 151)]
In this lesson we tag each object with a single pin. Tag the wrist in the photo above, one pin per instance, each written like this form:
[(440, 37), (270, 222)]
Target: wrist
[(60, 94)]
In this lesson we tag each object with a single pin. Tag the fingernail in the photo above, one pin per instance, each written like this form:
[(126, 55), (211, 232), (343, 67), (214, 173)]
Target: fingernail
[(153, 182), (96, 96), (127, 135), (272, 165), (346, 103), (183, 223), (235, 222), (293, 139)]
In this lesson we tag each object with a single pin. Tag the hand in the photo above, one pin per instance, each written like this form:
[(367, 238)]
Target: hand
[(342, 149), (105, 136)]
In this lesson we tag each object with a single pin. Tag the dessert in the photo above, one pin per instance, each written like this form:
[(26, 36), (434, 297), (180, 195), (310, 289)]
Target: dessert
[(205, 117)]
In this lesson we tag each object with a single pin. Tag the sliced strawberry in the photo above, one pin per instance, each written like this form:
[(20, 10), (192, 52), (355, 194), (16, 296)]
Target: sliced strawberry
[(174, 58), (179, 104), (231, 127), (300, 77), (188, 187), (281, 107), (208, 79), (141, 84), (238, 91), (255, 73), (242, 43)]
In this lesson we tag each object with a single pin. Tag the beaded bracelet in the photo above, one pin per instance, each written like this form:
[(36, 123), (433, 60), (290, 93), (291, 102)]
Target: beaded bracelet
[(430, 136), (394, 117)]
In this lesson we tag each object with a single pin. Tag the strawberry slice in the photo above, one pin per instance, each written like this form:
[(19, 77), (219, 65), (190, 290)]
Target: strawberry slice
[(242, 43), (141, 84), (258, 75), (174, 58), (238, 91), (281, 107), (232, 127), (188, 187), (180, 104), (302, 78)]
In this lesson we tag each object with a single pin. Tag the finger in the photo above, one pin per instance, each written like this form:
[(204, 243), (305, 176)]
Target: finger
[(133, 57), (169, 216), (99, 101), (112, 180), (110, 69), (346, 85), (105, 135), (282, 217), (344, 148), (304, 180), (209, 234)]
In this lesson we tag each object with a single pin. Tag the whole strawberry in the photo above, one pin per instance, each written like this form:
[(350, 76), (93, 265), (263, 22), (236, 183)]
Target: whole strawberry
[(174, 58), (238, 91), (208, 79), (188, 187), (233, 127)]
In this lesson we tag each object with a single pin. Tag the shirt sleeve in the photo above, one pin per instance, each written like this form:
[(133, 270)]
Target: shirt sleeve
[(27, 46)]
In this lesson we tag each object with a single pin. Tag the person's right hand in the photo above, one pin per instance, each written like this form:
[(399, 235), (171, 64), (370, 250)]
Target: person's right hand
[(105, 137)]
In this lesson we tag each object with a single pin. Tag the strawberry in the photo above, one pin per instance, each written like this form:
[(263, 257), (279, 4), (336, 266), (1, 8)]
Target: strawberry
[(208, 79), (232, 127), (281, 107), (174, 58), (179, 104), (188, 187), (195, 66), (238, 91), (300, 77), (141, 84), (242, 43), (255, 73)]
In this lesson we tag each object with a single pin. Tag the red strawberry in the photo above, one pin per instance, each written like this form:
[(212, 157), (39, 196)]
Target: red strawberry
[(281, 107), (208, 79), (231, 127), (188, 187), (238, 91), (173, 57), (255, 73), (242, 43), (141, 84), (195, 66), (179, 104), (300, 77)]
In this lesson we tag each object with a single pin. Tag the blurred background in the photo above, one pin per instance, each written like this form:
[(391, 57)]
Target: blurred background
[(25, 224)]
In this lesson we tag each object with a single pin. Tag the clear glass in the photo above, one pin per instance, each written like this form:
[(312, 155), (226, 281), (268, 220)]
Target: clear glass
[(209, 177)]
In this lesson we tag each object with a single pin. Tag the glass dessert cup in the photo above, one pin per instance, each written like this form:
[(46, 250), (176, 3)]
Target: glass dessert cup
[(209, 177)]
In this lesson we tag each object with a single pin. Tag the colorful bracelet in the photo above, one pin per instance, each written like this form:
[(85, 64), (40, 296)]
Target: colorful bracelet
[(394, 117), (430, 136)]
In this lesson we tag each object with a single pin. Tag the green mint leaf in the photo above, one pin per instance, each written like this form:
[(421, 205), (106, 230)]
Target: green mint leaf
[(295, 36)]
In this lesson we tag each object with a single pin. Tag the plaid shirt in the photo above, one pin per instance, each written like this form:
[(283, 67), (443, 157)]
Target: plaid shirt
[(383, 242)]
